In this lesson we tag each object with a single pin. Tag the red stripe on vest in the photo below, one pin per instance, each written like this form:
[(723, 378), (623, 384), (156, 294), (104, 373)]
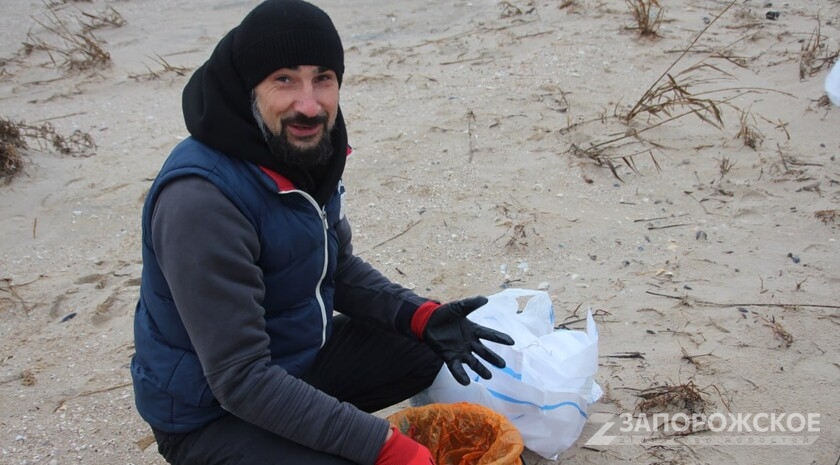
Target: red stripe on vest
[(283, 184)]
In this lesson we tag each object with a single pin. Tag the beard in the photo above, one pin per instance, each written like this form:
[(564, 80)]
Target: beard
[(286, 151)]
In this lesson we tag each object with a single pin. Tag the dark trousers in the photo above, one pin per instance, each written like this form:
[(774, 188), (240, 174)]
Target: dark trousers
[(361, 364)]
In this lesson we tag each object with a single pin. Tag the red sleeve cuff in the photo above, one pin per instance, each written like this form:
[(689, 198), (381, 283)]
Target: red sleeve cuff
[(421, 317)]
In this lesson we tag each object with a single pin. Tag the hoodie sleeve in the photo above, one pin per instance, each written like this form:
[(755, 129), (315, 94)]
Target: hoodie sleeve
[(208, 251), (364, 292)]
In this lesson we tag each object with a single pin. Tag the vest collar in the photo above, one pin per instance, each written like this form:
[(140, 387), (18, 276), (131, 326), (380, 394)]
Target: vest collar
[(283, 183)]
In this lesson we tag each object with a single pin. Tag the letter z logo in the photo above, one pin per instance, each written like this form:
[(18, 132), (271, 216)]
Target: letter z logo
[(600, 438)]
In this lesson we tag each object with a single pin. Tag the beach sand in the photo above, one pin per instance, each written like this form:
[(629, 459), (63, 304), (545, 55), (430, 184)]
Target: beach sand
[(492, 148)]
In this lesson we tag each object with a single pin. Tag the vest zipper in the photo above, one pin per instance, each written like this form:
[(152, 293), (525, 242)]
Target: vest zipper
[(322, 212)]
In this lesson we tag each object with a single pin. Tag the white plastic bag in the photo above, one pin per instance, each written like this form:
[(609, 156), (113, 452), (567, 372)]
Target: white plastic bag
[(832, 84), (548, 382)]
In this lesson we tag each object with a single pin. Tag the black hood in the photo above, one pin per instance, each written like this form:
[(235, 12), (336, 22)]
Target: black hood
[(217, 111)]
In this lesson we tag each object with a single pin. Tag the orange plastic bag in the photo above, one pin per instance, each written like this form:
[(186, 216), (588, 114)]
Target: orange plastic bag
[(462, 434)]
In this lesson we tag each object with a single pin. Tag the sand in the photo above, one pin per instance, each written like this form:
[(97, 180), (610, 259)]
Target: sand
[(483, 132)]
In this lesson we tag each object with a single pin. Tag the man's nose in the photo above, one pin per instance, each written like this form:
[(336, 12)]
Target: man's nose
[(307, 102)]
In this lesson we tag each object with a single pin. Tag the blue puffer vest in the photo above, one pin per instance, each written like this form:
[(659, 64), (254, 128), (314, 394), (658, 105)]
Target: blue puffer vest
[(171, 391)]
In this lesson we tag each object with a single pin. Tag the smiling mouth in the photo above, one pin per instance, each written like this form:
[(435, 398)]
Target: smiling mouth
[(304, 128), (304, 131)]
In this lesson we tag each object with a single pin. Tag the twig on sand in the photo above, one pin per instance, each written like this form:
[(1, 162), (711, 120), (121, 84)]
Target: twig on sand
[(407, 229), (645, 220), (471, 32), (651, 228), (470, 121), (144, 442), (640, 355), (692, 359), (90, 393), (11, 290), (778, 330), (53, 118), (707, 303)]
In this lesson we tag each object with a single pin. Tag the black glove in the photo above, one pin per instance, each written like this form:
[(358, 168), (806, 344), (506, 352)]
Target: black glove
[(452, 336)]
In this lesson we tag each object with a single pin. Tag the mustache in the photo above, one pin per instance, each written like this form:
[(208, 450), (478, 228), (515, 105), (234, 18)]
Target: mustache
[(303, 120)]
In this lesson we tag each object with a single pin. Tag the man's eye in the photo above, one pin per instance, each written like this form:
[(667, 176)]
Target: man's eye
[(283, 79), (324, 77)]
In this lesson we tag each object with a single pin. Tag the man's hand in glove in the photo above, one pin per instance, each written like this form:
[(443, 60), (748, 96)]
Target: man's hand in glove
[(446, 329), (400, 449)]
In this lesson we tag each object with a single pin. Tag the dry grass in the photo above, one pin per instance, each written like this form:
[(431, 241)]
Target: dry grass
[(73, 47), (11, 142), (108, 18), (823, 101), (597, 154), (674, 94), (166, 68), (572, 5), (682, 397), (13, 139), (724, 166), (748, 132), (779, 331), (76, 143), (661, 96), (670, 98), (815, 56), (647, 15), (828, 216), (509, 9), (693, 91), (687, 399)]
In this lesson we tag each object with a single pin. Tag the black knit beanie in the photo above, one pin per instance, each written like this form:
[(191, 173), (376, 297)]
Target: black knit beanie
[(217, 99), (284, 34)]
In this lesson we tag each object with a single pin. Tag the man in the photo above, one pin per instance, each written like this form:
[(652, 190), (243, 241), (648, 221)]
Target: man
[(246, 255)]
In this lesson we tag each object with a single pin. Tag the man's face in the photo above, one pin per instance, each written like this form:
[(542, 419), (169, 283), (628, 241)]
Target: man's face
[(296, 110)]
